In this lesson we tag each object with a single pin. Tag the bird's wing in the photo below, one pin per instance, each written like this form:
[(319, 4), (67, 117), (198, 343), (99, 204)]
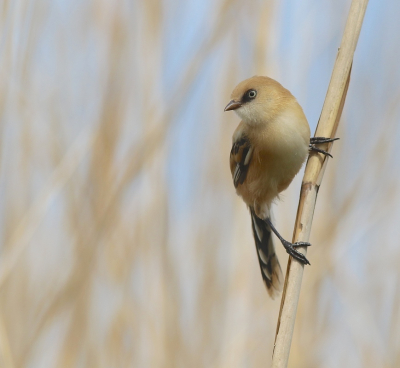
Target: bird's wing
[(240, 159)]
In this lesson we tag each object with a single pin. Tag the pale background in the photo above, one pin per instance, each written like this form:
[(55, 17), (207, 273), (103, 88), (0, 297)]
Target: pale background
[(123, 243)]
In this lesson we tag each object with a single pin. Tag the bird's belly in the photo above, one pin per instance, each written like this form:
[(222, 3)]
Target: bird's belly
[(267, 177)]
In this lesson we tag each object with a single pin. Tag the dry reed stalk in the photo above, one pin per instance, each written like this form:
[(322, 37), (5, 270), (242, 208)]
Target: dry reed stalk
[(6, 357), (312, 179)]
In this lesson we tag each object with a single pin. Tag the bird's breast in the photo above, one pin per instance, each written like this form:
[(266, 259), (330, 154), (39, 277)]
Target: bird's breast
[(272, 169)]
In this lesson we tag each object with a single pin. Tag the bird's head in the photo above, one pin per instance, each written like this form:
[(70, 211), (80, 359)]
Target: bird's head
[(258, 99)]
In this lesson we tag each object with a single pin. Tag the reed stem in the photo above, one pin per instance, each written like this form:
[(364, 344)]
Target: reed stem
[(316, 164)]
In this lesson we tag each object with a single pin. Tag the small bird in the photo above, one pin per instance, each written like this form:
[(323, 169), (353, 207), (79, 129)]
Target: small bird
[(269, 147)]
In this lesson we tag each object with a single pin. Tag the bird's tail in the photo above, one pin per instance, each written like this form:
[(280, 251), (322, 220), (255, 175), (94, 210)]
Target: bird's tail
[(270, 269)]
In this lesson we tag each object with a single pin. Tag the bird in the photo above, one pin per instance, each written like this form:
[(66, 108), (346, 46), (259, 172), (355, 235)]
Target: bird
[(269, 147)]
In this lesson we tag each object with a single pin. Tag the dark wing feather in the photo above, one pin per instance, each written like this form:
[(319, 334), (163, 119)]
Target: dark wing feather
[(240, 160)]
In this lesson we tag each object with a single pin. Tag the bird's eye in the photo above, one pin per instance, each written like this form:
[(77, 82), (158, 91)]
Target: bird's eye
[(249, 95), (252, 93)]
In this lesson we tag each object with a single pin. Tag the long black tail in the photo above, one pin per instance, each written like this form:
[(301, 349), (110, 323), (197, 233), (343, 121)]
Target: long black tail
[(270, 269)]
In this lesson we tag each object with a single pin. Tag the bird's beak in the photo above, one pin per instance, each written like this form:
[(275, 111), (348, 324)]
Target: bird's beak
[(232, 105)]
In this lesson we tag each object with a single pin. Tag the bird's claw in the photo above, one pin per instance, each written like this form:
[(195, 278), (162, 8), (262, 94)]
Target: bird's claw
[(316, 140), (313, 148), (301, 244), (290, 249), (320, 140)]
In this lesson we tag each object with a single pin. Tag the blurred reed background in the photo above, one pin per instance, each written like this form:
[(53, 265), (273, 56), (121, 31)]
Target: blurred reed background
[(123, 243)]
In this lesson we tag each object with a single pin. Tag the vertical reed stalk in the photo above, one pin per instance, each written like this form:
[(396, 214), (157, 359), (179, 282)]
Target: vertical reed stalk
[(314, 171)]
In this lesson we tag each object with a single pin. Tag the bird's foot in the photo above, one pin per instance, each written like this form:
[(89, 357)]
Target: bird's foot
[(290, 247), (291, 250), (320, 140)]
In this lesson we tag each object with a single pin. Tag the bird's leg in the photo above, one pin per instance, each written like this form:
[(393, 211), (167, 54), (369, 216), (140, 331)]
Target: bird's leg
[(319, 140), (290, 247)]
